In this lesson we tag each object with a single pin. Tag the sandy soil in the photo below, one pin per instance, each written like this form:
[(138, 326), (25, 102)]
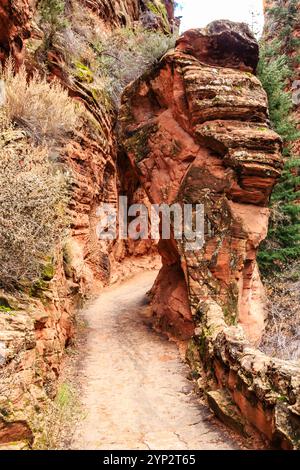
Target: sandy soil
[(134, 387)]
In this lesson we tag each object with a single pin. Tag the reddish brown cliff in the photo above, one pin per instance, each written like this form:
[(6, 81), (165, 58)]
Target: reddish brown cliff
[(196, 131), (35, 330)]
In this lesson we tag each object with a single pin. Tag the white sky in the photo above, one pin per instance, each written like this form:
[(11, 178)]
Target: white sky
[(198, 13)]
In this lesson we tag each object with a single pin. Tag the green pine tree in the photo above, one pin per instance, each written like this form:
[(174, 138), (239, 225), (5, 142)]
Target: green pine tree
[(283, 242)]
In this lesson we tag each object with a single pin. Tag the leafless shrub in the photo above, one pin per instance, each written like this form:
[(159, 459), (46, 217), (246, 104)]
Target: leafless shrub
[(125, 54), (32, 206), (43, 109), (282, 336)]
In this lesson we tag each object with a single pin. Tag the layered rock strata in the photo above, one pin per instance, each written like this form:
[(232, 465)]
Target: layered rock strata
[(196, 131)]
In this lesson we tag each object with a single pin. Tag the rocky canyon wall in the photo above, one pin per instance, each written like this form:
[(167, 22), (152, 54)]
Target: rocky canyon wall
[(196, 131), (37, 324)]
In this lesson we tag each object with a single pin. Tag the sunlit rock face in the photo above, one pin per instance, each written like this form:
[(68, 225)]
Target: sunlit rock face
[(196, 131)]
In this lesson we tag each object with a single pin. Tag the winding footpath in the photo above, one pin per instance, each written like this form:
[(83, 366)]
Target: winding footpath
[(134, 387)]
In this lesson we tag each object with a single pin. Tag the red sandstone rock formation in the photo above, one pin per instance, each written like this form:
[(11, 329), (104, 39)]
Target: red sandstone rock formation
[(42, 325), (197, 125), (196, 130), (14, 28), (289, 46)]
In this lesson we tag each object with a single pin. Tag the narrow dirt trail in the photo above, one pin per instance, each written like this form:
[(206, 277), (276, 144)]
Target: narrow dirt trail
[(135, 393)]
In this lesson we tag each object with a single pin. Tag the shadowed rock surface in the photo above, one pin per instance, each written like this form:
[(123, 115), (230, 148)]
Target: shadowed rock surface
[(35, 329), (196, 130), (14, 29)]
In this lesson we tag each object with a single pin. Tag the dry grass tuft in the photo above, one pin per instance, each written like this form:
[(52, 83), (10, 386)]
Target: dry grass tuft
[(43, 109), (33, 201)]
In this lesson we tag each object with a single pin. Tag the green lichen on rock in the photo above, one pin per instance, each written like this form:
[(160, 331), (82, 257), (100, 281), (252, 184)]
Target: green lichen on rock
[(38, 289), (5, 309), (138, 142), (287, 429)]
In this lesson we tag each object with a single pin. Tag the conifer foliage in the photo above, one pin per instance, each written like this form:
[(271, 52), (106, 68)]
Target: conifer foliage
[(275, 72)]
